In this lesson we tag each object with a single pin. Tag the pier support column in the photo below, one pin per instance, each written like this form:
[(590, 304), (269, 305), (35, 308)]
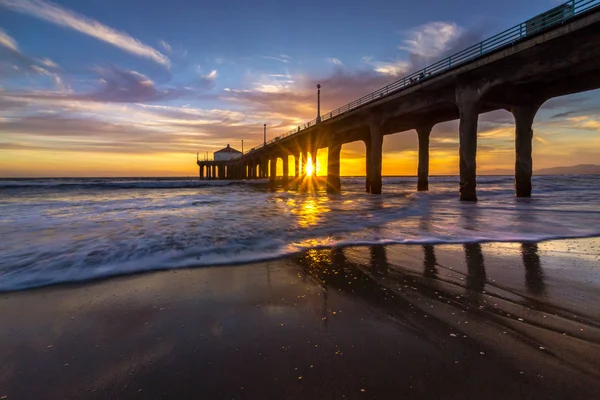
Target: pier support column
[(423, 169), (376, 156), (304, 156), (333, 167), (524, 116), (296, 165), (467, 100), (273, 172), (368, 166), (285, 159)]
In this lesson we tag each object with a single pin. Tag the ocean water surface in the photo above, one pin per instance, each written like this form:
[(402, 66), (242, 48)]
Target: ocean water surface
[(62, 230)]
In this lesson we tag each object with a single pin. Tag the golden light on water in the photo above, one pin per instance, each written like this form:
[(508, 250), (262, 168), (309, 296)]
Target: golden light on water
[(309, 210)]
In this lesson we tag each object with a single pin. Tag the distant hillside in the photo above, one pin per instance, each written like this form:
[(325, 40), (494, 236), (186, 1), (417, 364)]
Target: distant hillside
[(575, 169)]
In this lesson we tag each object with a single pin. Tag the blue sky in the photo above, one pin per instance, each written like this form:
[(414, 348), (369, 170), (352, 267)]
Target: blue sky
[(113, 81)]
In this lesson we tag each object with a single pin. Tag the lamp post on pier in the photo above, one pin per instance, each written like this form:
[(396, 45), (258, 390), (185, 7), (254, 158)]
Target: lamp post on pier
[(318, 103), (265, 134)]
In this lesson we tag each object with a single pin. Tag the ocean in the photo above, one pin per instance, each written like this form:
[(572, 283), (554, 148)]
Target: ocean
[(66, 230)]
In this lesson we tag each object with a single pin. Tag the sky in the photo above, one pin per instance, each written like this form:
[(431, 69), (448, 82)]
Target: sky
[(137, 88)]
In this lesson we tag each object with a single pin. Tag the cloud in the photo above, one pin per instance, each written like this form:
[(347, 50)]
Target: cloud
[(585, 123), (40, 70), (335, 61), (49, 63), (566, 102), (116, 86), (564, 114), (425, 45), (273, 83), (61, 16), (282, 58), (541, 140), (119, 86), (431, 39), (166, 46), (16, 63), (8, 42), (394, 69), (75, 126), (57, 132), (291, 101)]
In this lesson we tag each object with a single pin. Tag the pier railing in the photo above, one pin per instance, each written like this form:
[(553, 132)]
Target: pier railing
[(509, 37)]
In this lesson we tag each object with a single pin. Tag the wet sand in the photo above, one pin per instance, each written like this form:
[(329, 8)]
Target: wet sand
[(489, 321)]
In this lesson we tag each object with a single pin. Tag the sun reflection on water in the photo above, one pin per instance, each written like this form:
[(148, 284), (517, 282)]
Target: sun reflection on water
[(309, 210)]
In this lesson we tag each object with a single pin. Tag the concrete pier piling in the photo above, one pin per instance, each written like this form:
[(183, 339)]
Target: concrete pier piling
[(524, 116), (333, 168)]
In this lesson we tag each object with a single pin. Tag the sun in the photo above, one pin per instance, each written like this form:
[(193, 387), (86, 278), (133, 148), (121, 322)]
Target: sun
[(309, 169)]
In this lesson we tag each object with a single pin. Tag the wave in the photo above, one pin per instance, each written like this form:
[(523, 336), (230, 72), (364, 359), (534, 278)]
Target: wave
[(50, 238), (576, 182), (50, 275), (79, 185)]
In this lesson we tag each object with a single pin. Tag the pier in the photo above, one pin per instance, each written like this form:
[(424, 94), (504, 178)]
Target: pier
[(553, 54)]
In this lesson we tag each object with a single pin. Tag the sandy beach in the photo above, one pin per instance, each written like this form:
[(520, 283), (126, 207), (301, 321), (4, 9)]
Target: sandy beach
[(489, 321)]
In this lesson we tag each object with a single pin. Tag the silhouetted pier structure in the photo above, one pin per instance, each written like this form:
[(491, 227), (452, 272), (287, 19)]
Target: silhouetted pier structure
[(553, 54)]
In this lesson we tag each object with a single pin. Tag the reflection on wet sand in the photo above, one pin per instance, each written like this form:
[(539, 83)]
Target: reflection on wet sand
[(519, 323), (429, 261), (475, 266), (534, 276), (379, 262)]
